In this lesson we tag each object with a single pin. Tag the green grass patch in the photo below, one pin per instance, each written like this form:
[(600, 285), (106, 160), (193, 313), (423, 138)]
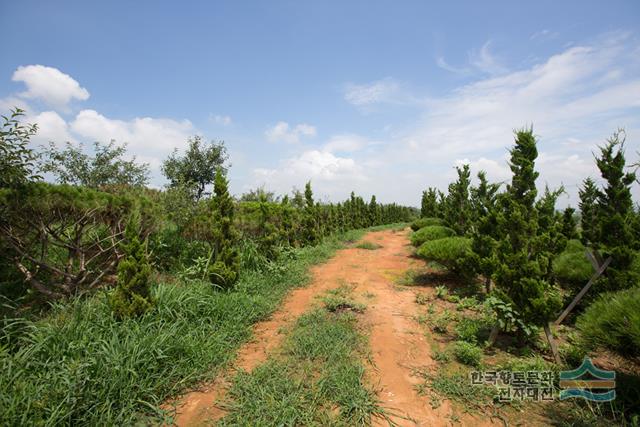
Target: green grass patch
[(81, 366), (317, 380), (370, 246)]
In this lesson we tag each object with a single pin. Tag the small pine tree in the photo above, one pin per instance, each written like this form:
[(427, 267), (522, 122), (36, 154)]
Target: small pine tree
[(310, 234), (588, 211), (484, 227), (429, 206), (521, 261), (569, 223), (551, 240), (132, 296), (224, 266), (614, 236), (374, 212), (267, 232), (458, 210)]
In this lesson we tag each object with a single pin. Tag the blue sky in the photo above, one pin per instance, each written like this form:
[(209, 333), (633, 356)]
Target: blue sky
[(378, 97)]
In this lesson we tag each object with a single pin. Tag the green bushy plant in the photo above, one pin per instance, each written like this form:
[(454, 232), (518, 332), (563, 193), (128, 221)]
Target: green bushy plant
[(431, 232), (425, 222), (572, 266), (132, 296), (467, 353), (522, 253), (452, 252), (613, 321), (225, 263)]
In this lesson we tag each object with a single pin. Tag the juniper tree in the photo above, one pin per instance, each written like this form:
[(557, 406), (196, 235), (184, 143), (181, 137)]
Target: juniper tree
[(569, 223), (132, 295), (521, 261), (551, 238), (588, 211), (268, 233), (483, 202), (309, 218), (429, 205), (374, 212), (613, 234), (458, 209), (224, 265)]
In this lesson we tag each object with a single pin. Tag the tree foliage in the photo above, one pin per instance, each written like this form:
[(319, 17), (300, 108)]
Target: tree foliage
[(132, 295), (197, 168), (17, 159), (521, 259), (225, 263)]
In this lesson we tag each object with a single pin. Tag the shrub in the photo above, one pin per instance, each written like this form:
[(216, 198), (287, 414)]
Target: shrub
[(452, 252), (225, 265), (613, 321), (431, 232), (473, 330), (425, 222), (572, 266), (467, 353), (131, 297)]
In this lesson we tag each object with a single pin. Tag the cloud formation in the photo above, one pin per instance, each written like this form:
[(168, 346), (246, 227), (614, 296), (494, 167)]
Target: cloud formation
[(50, 85), (281, 131)]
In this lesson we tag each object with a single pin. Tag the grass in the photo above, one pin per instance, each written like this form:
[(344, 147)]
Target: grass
[(339, 299), (370, 246), (456, 386), (317, 380), (81, 366)]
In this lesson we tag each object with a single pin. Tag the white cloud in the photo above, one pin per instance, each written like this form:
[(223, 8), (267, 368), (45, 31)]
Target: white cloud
[(545, 34), (281, 131), (49, 85), (442, 63), (51, 128), (385, 90), (346, 143), (143, 134), (221, 119), (332, 176), (486, 61)]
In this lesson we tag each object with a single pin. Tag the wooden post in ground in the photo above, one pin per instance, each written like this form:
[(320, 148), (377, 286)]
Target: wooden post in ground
[(600, 269), (493, 335), (552, 343)]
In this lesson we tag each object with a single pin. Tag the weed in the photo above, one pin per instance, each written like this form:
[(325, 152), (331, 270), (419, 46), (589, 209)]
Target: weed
[(368, 245), (441, 291), (422, 299)]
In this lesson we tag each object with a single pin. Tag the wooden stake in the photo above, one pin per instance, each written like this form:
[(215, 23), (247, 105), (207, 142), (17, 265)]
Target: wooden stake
[(584, 290), (552, 343), (493, 335)]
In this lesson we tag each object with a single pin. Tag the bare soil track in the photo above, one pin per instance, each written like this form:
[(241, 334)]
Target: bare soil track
[(398, 344)]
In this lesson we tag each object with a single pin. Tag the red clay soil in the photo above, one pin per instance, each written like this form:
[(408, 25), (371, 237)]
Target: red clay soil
[(398, 345)]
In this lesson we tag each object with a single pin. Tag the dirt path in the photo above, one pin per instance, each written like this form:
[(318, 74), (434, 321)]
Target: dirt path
[(397, 341)]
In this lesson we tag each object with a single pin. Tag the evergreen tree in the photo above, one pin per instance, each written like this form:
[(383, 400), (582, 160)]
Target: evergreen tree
[(588, 211), (429, 207), (309, 220), (268, 234), (374, 212), (551, 239), (614, 236), (520, 260), (224, 267), (132, 295), (458, 209), (484, 229), (569, 223)]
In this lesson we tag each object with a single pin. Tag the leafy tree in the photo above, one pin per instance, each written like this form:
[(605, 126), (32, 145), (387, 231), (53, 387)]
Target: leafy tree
[(521, 260), (132, 295), (225, 263), (197, 167), (458, 212), (258, 194), (613, 234), (17, 160), (588, 211), (105, 167)]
